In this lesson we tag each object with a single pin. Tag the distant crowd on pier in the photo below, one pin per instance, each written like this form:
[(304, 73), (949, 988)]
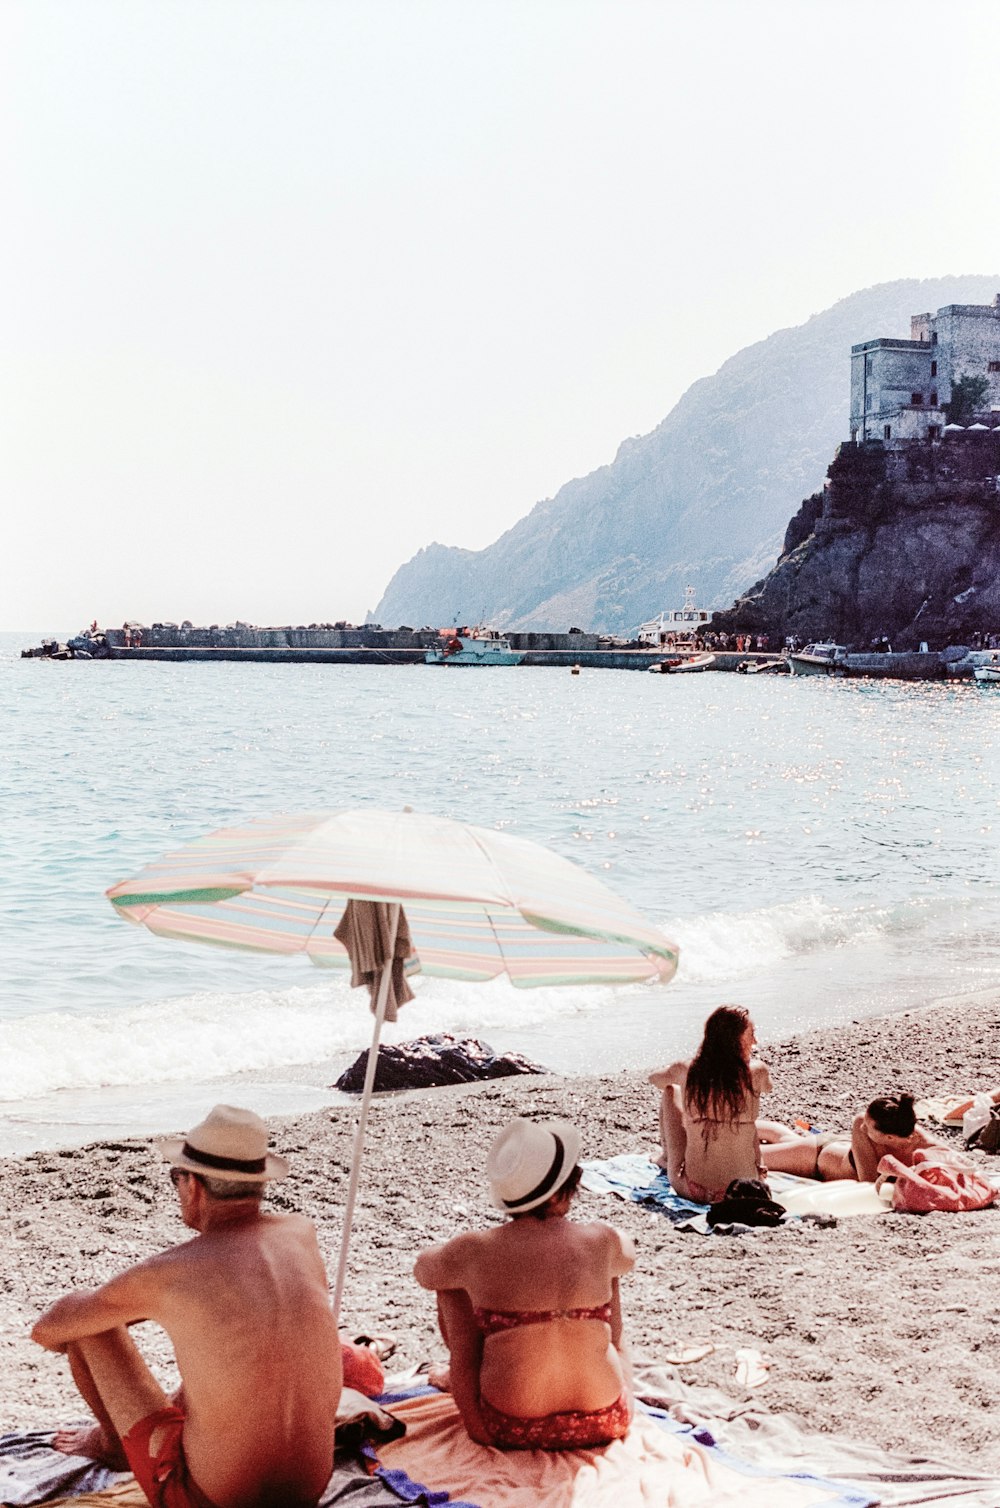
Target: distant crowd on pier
[(741, 643)]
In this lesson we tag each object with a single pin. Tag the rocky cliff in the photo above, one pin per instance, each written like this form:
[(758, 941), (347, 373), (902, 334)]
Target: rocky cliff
[(702, 499), (903, 542)]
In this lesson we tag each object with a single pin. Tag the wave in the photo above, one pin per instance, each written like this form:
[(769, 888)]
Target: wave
[(214, 1035), (218, 1034), (726, 945)]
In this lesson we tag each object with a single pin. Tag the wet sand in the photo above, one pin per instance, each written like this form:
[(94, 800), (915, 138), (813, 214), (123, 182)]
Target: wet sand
[(883, 1328)]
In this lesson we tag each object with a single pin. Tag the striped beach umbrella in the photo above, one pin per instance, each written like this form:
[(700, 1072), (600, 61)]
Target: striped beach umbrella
[(477, 904)]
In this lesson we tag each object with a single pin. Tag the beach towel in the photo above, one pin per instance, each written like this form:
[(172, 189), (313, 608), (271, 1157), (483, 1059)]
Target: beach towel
[(659, 1461), (748, 1430), (350, 1487), (633, 1176), (31, 1471), (718, 1441)]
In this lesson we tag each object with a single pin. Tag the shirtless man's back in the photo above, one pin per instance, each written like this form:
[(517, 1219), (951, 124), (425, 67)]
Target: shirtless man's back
[(246, 1307)]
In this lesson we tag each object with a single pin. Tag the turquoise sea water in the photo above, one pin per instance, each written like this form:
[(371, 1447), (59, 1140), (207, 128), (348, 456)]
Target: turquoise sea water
[(820, 850)]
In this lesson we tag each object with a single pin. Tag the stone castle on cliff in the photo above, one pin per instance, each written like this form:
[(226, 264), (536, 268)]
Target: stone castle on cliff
[(904, 537), (899, 388)]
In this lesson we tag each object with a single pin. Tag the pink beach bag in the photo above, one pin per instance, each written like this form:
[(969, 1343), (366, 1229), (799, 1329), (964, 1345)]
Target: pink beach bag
[(938, 1180)]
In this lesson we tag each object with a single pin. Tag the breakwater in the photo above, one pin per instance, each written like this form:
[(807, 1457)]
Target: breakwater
[(328, 645)]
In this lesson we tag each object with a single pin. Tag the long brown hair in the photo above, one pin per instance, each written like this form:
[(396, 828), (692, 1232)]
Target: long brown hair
[(718, 1078)]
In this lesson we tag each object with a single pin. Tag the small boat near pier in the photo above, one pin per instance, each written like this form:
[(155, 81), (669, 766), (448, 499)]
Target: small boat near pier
[(824, 658), (480, 646)]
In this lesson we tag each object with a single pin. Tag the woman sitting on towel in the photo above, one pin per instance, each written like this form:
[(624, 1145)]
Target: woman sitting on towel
[(888, 1126), (708, 1110), (529, 1310)]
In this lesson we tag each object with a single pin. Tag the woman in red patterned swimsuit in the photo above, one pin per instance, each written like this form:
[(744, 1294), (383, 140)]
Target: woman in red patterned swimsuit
[(529, 1310)]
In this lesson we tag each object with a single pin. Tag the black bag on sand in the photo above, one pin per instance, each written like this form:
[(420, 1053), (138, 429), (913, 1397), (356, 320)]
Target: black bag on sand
[(748, 1202), (987, 1138)]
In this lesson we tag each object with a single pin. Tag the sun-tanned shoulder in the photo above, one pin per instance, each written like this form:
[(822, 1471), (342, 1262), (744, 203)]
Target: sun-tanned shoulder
[(446, 1266), (622, 1249), (674, 1073), (760, 1076), (618, 1247)]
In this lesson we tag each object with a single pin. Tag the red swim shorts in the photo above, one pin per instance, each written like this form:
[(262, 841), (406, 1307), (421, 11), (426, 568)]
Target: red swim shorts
[(164, 1478)]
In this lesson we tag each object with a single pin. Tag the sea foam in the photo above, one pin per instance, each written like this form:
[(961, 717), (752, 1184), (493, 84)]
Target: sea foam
[(726, 945), (217, 1035)]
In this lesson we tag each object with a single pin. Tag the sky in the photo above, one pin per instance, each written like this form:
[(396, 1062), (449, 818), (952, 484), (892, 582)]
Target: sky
[(293, 288)]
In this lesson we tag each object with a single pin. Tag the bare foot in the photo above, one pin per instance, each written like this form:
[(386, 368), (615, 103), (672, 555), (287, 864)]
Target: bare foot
[(439, 1376), (90, 1442)]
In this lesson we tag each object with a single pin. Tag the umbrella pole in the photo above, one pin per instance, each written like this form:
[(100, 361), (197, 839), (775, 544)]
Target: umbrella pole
[(359, 1135)]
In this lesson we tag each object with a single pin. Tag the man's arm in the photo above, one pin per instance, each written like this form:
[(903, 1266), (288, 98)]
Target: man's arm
[(124, 1300)]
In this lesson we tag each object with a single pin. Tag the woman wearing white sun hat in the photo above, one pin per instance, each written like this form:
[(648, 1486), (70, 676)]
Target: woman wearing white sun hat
[(529, 1310)]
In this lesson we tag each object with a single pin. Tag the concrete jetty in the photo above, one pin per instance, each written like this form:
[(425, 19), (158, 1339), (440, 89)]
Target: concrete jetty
[(329, 645), (326, 644)]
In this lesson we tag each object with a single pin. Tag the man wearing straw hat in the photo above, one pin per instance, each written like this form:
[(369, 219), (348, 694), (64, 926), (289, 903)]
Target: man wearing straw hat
[(246, 1307)]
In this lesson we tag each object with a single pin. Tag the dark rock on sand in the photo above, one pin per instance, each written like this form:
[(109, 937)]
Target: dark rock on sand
[(429, 1062)]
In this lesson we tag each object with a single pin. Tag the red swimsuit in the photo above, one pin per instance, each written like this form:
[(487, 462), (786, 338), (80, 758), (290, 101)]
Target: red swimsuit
[(570, 1430)]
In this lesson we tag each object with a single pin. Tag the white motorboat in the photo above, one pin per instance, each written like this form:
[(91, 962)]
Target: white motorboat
[(988, 675), (696, 662), (824, 658), (676, 665), (677, 627), (479, 646)]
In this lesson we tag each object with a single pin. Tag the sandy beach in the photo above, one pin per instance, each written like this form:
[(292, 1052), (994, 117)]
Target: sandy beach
[(882, 1328)]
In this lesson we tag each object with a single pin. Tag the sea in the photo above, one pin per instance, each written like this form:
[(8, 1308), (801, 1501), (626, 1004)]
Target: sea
[(821, 851)]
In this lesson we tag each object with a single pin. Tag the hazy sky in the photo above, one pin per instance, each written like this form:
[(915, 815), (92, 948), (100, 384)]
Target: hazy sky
[(294, 287)]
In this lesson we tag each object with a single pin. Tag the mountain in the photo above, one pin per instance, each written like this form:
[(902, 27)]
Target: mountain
[(703, 499)]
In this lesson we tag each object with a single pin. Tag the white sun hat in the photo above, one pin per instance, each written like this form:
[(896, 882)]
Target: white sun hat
[(229, 1143), (529, 1161)]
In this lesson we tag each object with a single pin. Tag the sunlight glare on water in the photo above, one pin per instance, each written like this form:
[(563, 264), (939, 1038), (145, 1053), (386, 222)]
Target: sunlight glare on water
[(819, 849)]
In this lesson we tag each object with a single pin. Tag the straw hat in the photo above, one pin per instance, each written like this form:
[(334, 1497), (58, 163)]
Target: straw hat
[(229, 1143), (529, 1161)]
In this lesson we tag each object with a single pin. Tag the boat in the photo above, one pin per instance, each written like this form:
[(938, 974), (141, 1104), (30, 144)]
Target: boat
[(696, 662), (677, 627), (677, 663), (477, 646), (825, 658), (765, 667), (988, 673)]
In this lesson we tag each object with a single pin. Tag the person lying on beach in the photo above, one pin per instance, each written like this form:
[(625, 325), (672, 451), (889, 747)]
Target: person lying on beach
[(956, 1111), (888, 1126), (708, 1110), (246, 1306), (529, 1310)]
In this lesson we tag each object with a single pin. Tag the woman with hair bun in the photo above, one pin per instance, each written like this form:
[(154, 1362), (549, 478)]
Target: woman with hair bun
[(708, 1110), (529, 1309), (888, 1127)]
